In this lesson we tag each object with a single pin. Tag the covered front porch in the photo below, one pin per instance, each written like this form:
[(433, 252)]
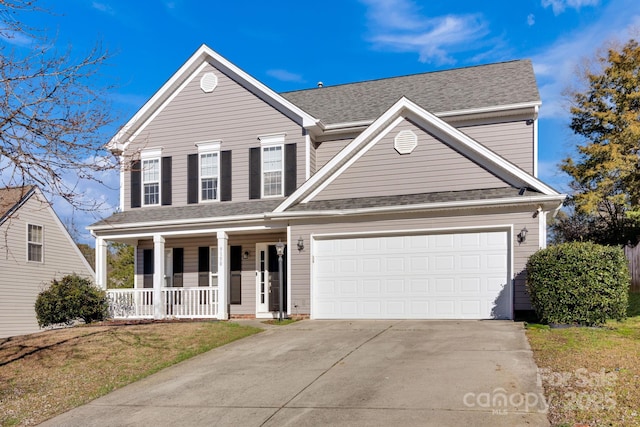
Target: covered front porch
[(200, 274)]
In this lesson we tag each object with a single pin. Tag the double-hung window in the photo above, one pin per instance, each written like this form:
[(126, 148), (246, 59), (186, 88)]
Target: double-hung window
[(272, 165), (209, 171), (35, 243), (151, 176)]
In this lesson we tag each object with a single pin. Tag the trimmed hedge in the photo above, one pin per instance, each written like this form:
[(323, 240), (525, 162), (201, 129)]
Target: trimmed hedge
[(579, 283), (70, 299)]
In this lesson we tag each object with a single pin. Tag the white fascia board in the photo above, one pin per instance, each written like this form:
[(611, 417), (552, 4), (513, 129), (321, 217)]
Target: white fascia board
[(550, 201), (201, 55), (182, 233), (183, 222)]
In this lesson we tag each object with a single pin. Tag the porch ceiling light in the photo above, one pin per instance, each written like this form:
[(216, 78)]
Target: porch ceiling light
[(300, 244), (522, 235), (280, 248)]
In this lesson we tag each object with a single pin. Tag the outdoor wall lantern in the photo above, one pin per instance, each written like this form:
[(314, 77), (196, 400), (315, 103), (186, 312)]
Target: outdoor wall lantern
[(522, 235), (300, 244), (245, 255), (280, 252)]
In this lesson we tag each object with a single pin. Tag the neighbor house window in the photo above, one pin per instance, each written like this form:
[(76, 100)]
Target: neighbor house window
[(272, 171), (151, 181), (209, 176), (34, 243)]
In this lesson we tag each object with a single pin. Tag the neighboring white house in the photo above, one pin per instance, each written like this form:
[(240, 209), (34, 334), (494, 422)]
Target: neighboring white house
[(35, 248)]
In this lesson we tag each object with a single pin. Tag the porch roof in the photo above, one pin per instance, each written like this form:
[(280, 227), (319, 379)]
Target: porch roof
[(413, 199), (213, 211)]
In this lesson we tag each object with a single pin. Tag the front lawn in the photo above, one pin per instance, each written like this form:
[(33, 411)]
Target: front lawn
[(591, 376), (48, 373)]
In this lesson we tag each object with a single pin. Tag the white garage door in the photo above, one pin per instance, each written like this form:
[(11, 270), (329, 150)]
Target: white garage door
[(439, 276)]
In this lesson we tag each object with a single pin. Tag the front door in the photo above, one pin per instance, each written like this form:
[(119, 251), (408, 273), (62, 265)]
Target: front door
[(268, 279)]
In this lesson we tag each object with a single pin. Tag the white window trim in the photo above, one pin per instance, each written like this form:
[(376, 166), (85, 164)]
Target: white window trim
[(267, 141), (281, 193), (29, 242), (147, 155), (208, 147)]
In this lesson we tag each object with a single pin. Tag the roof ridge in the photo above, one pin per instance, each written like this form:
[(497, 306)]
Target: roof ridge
[(469, 67)]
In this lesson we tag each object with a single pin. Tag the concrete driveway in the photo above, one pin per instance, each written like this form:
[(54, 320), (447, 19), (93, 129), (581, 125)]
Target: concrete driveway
[(398, 373)]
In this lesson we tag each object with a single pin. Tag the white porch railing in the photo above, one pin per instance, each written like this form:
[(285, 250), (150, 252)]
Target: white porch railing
[(185, 303)]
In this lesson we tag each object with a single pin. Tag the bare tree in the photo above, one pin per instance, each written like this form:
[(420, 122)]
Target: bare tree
[(52, 113)]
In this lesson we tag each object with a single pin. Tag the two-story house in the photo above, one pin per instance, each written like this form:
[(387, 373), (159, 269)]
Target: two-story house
[(35, 248), (405, 197)]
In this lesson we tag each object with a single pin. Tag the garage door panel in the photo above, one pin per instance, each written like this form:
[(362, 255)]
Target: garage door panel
[(461, 275)]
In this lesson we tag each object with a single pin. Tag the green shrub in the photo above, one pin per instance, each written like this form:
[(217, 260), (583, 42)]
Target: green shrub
[(70, 299), (579, 283)]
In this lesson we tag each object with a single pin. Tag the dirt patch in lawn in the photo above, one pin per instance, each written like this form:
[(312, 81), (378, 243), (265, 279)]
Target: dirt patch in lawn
[(591, 376), (48, 373)]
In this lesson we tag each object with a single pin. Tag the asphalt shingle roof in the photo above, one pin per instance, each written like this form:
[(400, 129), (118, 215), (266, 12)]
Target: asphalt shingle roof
[(481, 86), (9, 197), (410, 199), (203, 211)]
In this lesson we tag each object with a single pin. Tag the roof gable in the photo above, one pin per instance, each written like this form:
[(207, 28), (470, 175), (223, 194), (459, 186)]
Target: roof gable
[(406, 109), (479, 88), (181, 78)]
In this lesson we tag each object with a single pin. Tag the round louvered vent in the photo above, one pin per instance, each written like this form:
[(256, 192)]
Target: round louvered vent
[(208, 82), (405, 142)]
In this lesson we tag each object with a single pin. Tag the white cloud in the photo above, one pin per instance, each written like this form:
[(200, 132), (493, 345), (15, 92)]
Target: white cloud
[(285, 76), (531, 19), (16, 38), (398, 25), (559, 6), (102, 7)]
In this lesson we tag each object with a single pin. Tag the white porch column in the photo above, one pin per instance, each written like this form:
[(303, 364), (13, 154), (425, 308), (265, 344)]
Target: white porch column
[(158, 275), (101, 263), (223, 275)]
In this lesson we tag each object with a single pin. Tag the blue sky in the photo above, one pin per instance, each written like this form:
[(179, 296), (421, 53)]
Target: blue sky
[(291, 45)]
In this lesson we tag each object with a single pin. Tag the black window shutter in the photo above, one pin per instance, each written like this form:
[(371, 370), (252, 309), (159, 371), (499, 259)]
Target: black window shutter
[(192, 178), (254, 173), (225, 176), (203, 266), (235, 258), (147, 268), (203, 259), (290, 169), (178, 260), (166, 181), (235, 263), (136, 184)]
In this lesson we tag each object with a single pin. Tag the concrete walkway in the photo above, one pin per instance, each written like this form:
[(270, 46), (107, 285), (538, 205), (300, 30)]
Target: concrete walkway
[(360, 373)]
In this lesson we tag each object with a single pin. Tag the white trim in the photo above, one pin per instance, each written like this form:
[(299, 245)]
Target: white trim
[(535, 144), (264, 147), (542, 228), (208, 146), (508, 228), (142, 181), (289, 250), (272, 139), (150, 153), (403, 108), (199, 232), (206, 152), (307, 156), (203, 56), (122, 178), (33, 242)]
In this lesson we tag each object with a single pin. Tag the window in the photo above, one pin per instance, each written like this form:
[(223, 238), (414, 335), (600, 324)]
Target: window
[(209, 176), (34, 243), (151, 181), (272, 171)]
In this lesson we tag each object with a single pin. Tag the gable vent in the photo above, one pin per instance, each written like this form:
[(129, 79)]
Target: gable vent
[(405, 142), (208, 82)]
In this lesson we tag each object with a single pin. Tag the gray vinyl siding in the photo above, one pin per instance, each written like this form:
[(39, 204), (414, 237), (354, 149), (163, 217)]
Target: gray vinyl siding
[(230, 114), (432, 167), (328, 149), (21, 280), (190, 275), (301, 261), (512, 140)]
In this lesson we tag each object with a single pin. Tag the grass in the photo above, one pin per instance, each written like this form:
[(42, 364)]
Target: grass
[(48, 373), (280, 323), (591, 376)]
